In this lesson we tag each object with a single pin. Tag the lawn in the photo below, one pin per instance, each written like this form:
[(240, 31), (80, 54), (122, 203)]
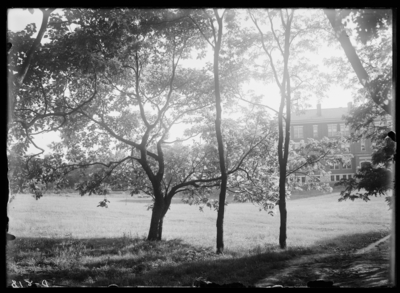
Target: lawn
[(69, 240)]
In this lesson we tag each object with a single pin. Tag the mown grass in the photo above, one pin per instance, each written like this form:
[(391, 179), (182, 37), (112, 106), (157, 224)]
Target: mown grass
[(69, 241)]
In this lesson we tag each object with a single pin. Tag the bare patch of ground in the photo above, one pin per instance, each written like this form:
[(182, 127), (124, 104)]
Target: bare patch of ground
[(367, 267)]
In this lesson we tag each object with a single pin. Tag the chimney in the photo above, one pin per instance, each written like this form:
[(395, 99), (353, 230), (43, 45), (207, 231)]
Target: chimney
[(349, 106), (318, 109)]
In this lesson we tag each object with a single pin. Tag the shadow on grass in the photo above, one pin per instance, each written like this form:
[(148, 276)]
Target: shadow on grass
[(133, 261)]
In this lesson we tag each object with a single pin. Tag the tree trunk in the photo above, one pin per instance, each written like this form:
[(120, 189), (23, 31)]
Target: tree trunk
[(283, 219), (284, 138), (159, 211), (156, 220), (224, 177), (353, 58), (220, 217)]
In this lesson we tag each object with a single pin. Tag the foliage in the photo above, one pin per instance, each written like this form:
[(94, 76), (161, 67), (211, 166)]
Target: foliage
[(372, 119), (368, 21), (376, 181)]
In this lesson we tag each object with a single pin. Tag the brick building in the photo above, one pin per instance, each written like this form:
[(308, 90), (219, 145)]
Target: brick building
[(319, 123)]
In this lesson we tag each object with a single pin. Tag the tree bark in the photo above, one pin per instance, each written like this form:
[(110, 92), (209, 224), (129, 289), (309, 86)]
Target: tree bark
[(156, 222)]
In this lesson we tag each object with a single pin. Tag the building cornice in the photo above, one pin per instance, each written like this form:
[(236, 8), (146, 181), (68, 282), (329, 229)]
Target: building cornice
[(317, 121)]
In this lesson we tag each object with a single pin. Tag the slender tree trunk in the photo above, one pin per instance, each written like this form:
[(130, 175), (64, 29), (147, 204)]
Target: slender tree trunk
[(284, 138), (220, 217), (282, 212), (224, 177)]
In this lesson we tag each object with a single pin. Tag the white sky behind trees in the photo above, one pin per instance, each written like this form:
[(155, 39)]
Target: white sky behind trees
[(17, 19)]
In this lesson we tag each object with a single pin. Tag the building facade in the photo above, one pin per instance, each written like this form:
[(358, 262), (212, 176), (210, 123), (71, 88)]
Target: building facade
[(318, 123)]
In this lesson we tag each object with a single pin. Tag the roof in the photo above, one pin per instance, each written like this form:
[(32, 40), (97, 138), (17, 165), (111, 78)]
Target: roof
[(327, 115)]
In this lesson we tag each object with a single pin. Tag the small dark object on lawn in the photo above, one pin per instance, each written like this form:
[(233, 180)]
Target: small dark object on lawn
[(10, 237)]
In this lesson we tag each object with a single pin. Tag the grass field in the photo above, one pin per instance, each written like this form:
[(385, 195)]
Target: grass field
[(68, 240)]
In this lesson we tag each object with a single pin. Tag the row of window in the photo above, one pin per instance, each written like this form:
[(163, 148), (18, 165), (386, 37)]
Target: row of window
[(344, 145), (344, 166), (336, 177), (333, 130), (340, 176)]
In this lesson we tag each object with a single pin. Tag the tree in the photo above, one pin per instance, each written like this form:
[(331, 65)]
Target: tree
[(371, 24), (142, 93), (215, 43), (249, 141), (369, 121), (37, 104), (378, 87), (372, 62), (15, 80), (288, 43)]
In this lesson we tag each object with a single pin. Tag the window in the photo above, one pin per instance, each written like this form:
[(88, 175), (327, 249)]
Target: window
[(332, 129), (337, 177), (349, 176), (344, 130), (347, 165), (363, 144), (303, 179), (315, 131), (334, 166), (344, 177), (298, 131), (332, 178)]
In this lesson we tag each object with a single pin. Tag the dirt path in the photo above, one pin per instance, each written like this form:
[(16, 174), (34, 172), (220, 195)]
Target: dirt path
[(367, 267)]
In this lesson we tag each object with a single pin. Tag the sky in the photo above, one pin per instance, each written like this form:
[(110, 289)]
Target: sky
[(337, 96)]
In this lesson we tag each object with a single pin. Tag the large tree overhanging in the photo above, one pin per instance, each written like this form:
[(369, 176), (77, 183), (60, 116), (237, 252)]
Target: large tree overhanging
[(16, 80), (374, 88)]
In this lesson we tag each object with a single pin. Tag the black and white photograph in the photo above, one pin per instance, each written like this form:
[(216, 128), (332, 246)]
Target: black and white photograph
[(201, 147)]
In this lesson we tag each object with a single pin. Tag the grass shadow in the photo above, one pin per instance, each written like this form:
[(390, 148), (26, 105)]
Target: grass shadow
[(133, 261)]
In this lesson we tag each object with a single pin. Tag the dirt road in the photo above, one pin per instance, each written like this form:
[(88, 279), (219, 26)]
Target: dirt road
[(367, 267)]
